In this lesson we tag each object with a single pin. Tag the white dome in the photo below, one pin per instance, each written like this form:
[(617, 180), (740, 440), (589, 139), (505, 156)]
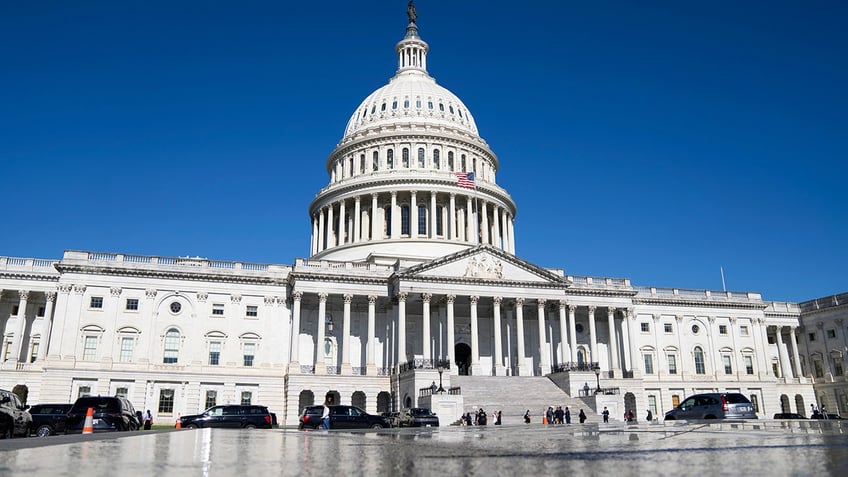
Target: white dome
[(412, 96)]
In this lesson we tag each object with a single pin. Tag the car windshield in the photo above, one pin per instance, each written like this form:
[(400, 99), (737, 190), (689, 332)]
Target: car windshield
[(99, 405), (420, 412)]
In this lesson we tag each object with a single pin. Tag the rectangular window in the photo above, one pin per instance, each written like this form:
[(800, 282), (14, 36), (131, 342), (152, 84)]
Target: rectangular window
[(84, 391), (214, 352), (249, 351), (218, 309), (40, 311), (90, 348), (722, 329), (811, 336), (649, 364), (837, 366), (775, 369), (743, 330), (252, 311), (652, 404), (121, 392), (211, 399), (246, 397), (166, 401), (728, 367), (667, 327), (756, 402), (818, 366), (132, 304), (675, 400), (831, 333), (771, 339), (33, 352), (97, 302), (15, 310), (7, 350), (127, 349), (672, 364), (749, 365), (646, 327)]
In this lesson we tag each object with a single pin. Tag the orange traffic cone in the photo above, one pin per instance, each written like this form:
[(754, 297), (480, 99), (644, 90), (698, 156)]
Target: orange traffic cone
[(544, 419), (88, 425), (179, 426)]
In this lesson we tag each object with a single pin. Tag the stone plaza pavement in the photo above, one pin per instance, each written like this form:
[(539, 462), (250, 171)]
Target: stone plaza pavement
[(771, 448)]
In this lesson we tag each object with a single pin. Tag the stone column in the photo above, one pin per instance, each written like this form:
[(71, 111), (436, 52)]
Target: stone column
[(659, 369), (470, 236), (544, 361), (683, 366), (519, 338), (395, 231), (19, 334), (320, 365), (357, 219), (475, 338), (634, 352), (433, 212), (342, 223), (413, 214), (451, 339), (425, 327), (713, 352), (331, 234), (484, 218), (314, 248), (294, 363), (572, 331), (511, 235), (563, 333), (505, 237), (613, 344), (593, 336), (48, 325), (785, 368), (759, 344), (453, 233), (375, 224), (401, 348), (497, 233), (499, 369), (321, 230), (793, 342), (346, 368), (371, 367), (736, 360)]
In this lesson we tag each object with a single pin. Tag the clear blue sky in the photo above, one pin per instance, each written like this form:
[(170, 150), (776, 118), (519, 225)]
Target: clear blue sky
[(652, 140)]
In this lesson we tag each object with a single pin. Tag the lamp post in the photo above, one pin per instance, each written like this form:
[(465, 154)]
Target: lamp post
[(330, 324), (598, 378), (441, 370)]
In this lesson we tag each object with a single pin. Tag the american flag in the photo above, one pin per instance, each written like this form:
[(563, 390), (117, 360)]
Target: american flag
[(465, 179)]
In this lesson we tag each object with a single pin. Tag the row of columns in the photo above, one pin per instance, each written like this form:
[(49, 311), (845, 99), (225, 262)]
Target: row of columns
[(17, 345), (497, 230)]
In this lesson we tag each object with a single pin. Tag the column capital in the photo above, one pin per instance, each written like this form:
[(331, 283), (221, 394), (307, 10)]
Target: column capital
[(453, 195), (270, 300), (497, 300), (202, 296), (235, 298), (631, 313), (357, 199), (733, 320), (348, 297), (150, 293), (374, 195), (678, 318), (64, 288), (413, 192), (115, 291), (572, 308), (656, 316), (474, 299), (50, 296), (426, 297), (611, 310), (402, 296), (372, 299), (23, 294), (450, 299), (592, 309), (541, 301), (322, 297), (519, 301), (563, 304), (298, 295), (711, 319), (394, 194)]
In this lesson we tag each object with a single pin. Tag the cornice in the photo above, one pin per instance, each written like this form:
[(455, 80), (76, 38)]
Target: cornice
[(194, 275), (21, 275), (488, 282), (604, 292), (689, 302), (382, 136), (294, 277)]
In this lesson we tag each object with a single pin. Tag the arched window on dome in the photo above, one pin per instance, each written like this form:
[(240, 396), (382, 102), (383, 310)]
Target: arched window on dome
[(418, 103), (450, 108), (699, 361), (362, 163), (350, 163), (390, 159), (375, 163), (436, 161), (374, 109), (429, 105), (463, 164), (460, 112), (404, 161), (421, 158), (404, 220), (450, 161), (440, 211), (387, 223), (405, 103), (394, 104), (383, 106), (442, 107), (422, 220)]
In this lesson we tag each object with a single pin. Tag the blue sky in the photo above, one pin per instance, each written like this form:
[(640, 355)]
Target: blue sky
[(652, 140)]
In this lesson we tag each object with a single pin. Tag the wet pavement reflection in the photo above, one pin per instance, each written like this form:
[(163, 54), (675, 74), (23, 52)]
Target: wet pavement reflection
[(680, 449)]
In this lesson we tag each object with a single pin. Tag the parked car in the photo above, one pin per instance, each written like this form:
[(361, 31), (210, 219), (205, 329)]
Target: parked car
[(15, 420), (836, 417), (788, 415), (342, 417), (713, 406), (49, 419), (111, 413), (418, 417), (231, 416)]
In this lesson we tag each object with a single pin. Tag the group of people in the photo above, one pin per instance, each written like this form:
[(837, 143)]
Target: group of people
[(146, 419), (557, 416), (815, 413), (480, 418)]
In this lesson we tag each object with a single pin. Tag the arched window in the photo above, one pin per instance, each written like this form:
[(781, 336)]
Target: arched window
[(450, 161), (394, 104), (422, 220), (441, 107), (699, 361), (387, 224), (421, 158), (439, 221), (383, 107), (390, 159), (375, 163), (404, 162), (406, 103), (436, 164), (418, 103), (404, 220), (172, 346), (362, 163), (463, 164)]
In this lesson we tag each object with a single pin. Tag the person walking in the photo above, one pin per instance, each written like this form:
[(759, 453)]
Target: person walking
[(606, 415), (497, 418), (649, 417), (567, 415), (148, 420), (325, 417), (527, 417), (582, 416), (558, 415), (549, 415), (139, 416)]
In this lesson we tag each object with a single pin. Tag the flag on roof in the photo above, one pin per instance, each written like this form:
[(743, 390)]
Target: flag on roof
[(465, 179)]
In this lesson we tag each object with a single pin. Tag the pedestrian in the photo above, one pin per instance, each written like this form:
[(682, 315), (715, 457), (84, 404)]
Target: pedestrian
[(628, 416), (325, 416), (139, 416), (606, 415), (482, 418), (823, 411), (549, 414), (567, 415), (558, 415), (468, 419), (497, 418), (527, 417), (582, 416), (148, 420), (650, 417)]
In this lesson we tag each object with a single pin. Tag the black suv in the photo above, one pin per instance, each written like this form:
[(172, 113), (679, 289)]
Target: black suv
[(342, 417), (49, 419), (14, 418), (111, 413), (231, 415)]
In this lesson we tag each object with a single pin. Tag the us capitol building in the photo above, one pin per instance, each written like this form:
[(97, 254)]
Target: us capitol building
[(412, 280)]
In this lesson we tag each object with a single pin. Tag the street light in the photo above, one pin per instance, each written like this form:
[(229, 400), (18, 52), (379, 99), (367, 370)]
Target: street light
[(329, 320), (441, 370), (598, 378)]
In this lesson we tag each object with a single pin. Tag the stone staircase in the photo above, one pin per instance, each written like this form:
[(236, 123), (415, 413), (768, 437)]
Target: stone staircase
[(513, 395)]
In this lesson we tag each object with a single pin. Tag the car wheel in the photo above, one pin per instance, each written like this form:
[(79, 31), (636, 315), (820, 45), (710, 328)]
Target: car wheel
[(250, 426), (669, 418), (9, 432), (191, 426), (44, 431), (709, 417), (376, 426)]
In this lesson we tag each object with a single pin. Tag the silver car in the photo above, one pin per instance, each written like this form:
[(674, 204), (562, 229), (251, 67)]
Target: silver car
[(713, 406)]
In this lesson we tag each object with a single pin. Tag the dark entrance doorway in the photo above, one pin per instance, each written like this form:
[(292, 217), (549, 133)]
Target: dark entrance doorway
[(463, 358)]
